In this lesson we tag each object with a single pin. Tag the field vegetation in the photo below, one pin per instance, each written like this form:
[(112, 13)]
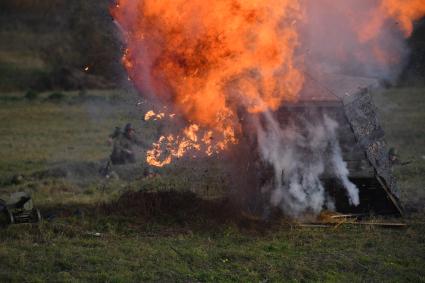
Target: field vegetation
[(173, 226), (176, 223)]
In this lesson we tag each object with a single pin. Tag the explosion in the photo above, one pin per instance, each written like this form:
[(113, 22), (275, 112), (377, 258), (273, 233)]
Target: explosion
[(208, 60), (216, 63)]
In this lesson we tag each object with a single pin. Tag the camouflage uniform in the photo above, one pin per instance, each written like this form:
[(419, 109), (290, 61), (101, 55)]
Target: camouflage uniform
[(122, 151), (117, 132)]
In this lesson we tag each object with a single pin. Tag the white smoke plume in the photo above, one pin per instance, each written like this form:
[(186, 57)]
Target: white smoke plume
[(300, 152)]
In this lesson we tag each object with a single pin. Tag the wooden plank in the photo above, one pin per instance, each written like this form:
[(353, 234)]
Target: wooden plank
[(360, 223), (390, 195)]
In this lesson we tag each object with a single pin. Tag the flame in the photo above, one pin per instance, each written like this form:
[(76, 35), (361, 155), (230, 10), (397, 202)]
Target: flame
[(209, 59), (404, 12), (191, 52), (399, 15), (151, 115), (192, 139)]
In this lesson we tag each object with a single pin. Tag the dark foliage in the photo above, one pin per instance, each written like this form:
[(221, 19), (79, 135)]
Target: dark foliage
[(415, 69), (74, 34), (56, 96), (31, 95)]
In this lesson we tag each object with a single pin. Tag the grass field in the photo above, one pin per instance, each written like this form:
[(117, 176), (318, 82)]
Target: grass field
[(41, 136)]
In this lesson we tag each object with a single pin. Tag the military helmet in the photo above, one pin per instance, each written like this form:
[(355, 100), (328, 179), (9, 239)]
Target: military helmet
[(128, 128)]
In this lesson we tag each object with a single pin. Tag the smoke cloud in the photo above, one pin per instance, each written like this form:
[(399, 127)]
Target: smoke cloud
[(359, 37), (299, 152)]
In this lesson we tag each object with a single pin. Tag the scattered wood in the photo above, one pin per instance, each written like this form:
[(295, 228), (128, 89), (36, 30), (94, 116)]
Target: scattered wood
[(367, 223), (338, 216)]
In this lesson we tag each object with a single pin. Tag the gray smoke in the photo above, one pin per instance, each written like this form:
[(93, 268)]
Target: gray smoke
[(333, 41), (300, 153)]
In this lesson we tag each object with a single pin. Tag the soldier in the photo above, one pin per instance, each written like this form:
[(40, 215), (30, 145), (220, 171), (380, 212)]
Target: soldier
[(116, 134), (393, 156), (122, 151)]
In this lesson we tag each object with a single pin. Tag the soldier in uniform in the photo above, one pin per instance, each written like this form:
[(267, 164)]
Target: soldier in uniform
[(116, 134), (122, 152), (395, 158)]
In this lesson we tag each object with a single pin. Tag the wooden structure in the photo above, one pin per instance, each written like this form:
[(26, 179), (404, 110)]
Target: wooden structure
[(348, 101)]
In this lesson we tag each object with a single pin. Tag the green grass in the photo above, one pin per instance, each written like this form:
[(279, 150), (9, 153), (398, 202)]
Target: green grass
[(66, 254), (403, 116), (40, 135)]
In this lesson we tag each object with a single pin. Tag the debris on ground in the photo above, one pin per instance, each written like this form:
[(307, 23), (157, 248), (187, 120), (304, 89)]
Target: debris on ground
[(333, 219)]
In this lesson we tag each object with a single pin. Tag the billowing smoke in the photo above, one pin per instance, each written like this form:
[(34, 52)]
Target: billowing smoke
[(211, 59), (359, 37), (300, 152)]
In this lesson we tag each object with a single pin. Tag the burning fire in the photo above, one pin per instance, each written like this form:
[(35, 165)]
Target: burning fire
[(189, 53), (192, 138), (405, 12), (209, 59), (151, 115)]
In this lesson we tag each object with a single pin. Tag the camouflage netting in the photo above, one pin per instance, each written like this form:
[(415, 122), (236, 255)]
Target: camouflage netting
[(346, 100), (361, 113)]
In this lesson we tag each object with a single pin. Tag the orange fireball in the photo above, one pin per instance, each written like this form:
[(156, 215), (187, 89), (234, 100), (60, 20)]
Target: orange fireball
[(210, 58), (189, 52)]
